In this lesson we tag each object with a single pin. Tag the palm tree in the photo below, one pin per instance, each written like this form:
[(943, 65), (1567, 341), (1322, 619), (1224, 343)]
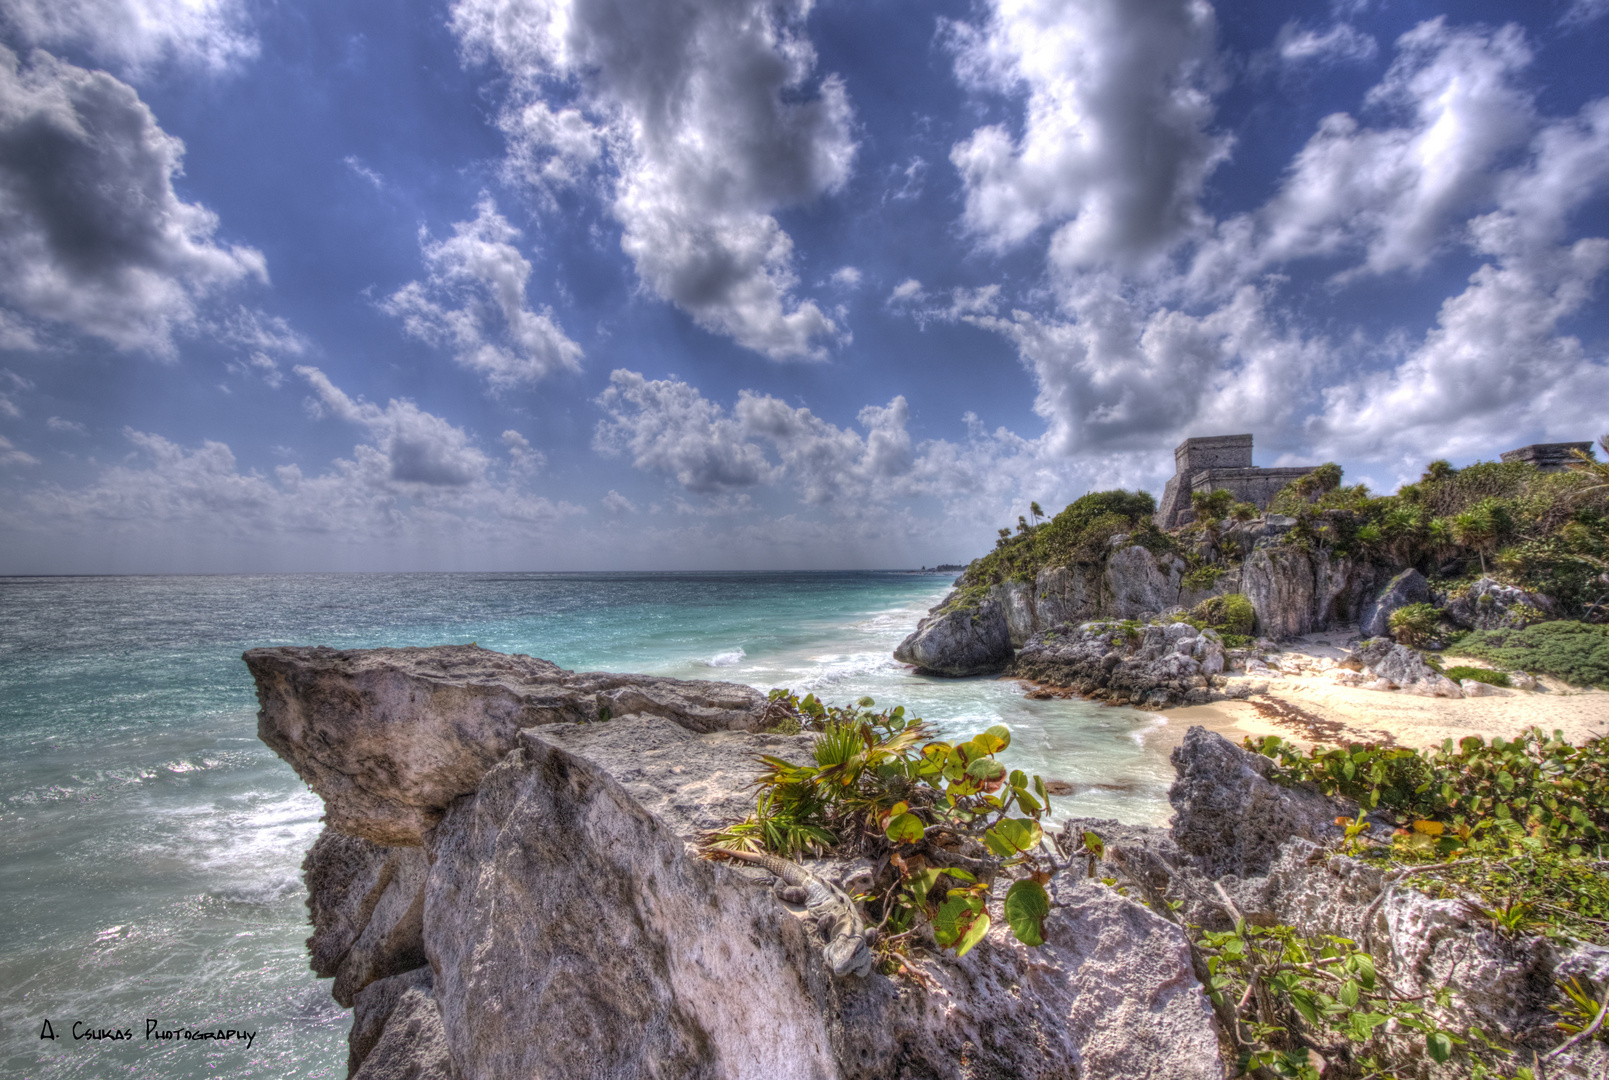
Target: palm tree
[(1482, 527), (1597, 472), (1035, 513)]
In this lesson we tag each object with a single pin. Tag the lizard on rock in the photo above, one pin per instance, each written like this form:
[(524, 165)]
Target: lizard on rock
[(837, 917)]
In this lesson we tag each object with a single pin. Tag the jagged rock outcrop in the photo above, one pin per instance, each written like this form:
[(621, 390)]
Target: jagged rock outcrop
[(366, 904), (962, 641), (1408, 587), (1153, 666), (389, 737), (1383, 664), (1229, 812), (572, 931)]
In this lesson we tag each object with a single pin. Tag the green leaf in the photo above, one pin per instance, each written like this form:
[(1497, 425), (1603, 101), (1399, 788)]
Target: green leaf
[(1440, 1045), (974, 934), (1013, 836), (1018, 779), (1349, 994), (986, 770), (1026, 907), (1094, 844), (905, 829), (1001, 732), (1363, 965), (1039, 789), (947, 925)]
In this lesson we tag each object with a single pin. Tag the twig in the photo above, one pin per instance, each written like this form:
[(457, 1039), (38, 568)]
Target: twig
[(1234, 912)]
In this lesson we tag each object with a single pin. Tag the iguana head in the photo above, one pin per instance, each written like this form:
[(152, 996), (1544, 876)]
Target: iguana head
[(847, 954)]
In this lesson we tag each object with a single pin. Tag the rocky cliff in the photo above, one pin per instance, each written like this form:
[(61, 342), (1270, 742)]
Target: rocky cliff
[(550, 916)]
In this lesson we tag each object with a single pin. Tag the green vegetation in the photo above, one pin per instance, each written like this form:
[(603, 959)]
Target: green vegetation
[(1203, 577), (1230, 614), (1479, 674), (1573, 651), (1518, 826), (1415, 624), (882, 786), (1077, 536)]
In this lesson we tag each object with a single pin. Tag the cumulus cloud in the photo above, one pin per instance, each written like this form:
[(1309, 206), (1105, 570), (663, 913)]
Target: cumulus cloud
[(670, 428), (1391, 193), (418, 447), (92, 234), (66, 427), (11, 457), (1114, 146), (616, 503), (134, 34), (708, 113), (474, 303)]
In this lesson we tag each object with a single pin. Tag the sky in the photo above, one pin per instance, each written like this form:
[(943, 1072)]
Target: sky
[(764, 284)]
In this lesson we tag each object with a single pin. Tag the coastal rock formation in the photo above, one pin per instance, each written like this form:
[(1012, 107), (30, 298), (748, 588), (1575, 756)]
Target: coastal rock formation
[(1408, 587), (1153, 665), (366, 904), (389, 737), (571, 929), (1386, 665), (962, 641)]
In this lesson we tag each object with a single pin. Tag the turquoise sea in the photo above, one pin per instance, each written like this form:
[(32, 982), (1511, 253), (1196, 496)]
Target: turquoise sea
[(150, 846)]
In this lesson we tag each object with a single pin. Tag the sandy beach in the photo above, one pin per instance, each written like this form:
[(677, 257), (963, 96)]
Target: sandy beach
[(1309, 707)]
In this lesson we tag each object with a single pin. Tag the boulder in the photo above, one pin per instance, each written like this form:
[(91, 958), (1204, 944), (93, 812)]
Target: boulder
[(389, 737), (1408, 587), (1156, 666), (1279, 582), (961, 641), (1232, 814), (1397, 667), (1491, 605)]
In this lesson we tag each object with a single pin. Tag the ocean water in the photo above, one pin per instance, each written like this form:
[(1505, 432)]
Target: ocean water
[(150, 845)]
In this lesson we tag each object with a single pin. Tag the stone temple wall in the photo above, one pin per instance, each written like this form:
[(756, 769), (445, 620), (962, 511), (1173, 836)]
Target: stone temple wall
[(1219, 462)]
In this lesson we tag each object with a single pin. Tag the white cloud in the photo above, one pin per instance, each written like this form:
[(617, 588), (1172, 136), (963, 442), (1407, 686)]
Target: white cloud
[(523, 459), (906, 291), (66, 427), (708, 114), (474, 303), (91, 232), (14, 384), (847, 277), (616, 503), (1342, 43), (1395, 194), (1582, 12), (1114, 147), (418, 447), (353, 162), (134, 34), (669, 427), (10, 456)]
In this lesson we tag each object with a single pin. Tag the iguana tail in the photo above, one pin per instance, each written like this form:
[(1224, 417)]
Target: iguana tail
[(792, 873)]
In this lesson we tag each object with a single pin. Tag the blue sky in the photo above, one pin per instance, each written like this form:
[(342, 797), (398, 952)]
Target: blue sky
[(733, 284)]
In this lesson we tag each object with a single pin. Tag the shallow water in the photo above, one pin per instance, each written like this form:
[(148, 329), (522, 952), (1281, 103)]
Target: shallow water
[(152, 845)]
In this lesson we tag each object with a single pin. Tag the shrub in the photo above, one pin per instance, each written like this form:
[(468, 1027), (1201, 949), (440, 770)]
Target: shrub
[(1415, 624), (1212, 505), (1479, 674), (1202, 577), (1576, 652), (1231, 614)]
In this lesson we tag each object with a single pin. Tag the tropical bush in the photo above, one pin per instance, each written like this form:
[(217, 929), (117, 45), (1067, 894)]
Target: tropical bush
[(1229, 614), (943, 819), (1078, 536), (1414, 624), (1573, 651)]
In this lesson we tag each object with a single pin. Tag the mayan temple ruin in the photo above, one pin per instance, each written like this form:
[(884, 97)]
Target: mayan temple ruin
[(1219, 462)]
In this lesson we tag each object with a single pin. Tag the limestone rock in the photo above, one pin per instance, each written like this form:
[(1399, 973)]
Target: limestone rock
[(397, 1032), (1066, 594), (1016, 600), (1491, 605), (1136, 582), (965, 641), (1279, 582), (389, 737), (367, 903), (1159, 665), (1408, 587), (1231, 814)]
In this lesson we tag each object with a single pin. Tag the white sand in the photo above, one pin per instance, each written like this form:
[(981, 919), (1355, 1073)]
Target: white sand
[(1311, 708)]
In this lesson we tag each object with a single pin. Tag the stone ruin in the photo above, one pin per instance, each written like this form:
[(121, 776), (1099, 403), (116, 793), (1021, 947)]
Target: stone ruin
[(1219, 462), (1549, 456)]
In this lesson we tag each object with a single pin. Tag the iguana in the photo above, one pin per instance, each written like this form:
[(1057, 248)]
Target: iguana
[(837, 917)]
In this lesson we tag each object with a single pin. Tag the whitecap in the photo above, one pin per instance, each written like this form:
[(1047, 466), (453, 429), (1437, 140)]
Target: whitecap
[(727, 659)]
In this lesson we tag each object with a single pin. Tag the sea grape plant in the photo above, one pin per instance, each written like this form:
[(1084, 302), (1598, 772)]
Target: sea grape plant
[(945, 818)]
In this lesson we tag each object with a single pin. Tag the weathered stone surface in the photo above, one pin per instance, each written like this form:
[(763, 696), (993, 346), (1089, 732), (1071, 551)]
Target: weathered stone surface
[(1136, 582), (559, 904), (1231, 815), (969, 641), (1408, 587), (366, 903), (1159, 666), (1065, 594), (1279, 583), (1394, 666), (1491, 605), (397, 1032), (1016, 600), (389, 737)]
